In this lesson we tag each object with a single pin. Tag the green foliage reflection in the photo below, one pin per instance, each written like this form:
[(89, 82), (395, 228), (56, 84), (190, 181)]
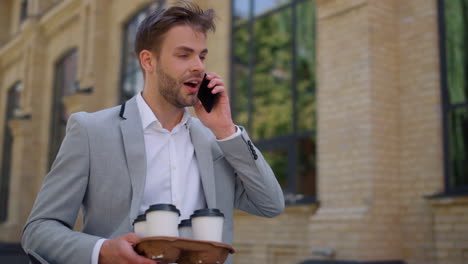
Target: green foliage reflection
[(456, 41), (274, 58), (272, 76)]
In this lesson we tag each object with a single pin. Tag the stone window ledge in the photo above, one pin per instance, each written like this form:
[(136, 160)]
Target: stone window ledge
[(292, 209), (442, 199)]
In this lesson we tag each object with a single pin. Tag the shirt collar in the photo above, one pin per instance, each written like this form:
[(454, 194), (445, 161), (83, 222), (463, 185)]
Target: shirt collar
[(148, 117)]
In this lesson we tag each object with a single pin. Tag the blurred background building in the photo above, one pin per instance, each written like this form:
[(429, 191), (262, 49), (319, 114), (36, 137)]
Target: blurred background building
[(360, 106)]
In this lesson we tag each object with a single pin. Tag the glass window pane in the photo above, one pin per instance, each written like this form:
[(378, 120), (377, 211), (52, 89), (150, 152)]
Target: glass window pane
[(458, 133), (305, 67), (70, 66), (241, 11), (14, 99), (307, 165), (139, 82), (241, 45), (278, 161), (24, 10), (12, 105), (266, 102), (456, 40), (132, 81), (263, 6), (272, 76), (64, 84), (127, 85), (241, 103), (241, 73)]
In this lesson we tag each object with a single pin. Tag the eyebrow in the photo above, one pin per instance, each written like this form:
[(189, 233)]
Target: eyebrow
[(187, 49)]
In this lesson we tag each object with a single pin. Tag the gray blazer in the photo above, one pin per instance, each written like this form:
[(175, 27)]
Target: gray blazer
[(101, 167)]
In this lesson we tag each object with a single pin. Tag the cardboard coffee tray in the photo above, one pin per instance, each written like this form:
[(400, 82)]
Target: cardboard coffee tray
[(183, 251)]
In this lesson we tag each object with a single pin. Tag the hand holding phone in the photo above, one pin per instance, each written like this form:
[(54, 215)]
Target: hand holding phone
[(207, 99)]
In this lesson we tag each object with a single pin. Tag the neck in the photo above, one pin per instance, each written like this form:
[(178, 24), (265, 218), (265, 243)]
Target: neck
[(167, 114)]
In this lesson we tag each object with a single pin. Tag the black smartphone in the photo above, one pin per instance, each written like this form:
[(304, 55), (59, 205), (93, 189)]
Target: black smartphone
[(207, 99)]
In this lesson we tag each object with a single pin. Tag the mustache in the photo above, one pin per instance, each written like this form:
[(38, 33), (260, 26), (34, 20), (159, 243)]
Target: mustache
[(191, 76)]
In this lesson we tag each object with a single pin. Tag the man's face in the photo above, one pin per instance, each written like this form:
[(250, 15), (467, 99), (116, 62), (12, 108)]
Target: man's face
[(181, 65)]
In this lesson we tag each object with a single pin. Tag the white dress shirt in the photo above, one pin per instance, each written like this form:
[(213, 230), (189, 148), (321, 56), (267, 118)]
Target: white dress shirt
[(172, 174)]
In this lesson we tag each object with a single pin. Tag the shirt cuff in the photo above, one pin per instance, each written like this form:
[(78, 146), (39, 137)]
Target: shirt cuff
[(96, 250), (237, 133)]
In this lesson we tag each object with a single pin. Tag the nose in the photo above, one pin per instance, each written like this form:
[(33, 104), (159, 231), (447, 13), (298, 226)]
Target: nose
[(198, 66)]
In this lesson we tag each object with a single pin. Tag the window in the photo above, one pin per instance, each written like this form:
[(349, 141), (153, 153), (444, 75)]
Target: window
[(132, 77), (454, 71), (64, 84), (12, 106), (273, 80), (24, 10)]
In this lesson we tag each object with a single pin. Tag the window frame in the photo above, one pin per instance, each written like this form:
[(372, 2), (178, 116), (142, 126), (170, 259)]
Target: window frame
[(24, 6), (446, 106), (289, 141), (12, 105), (57, 109), (123, 74)]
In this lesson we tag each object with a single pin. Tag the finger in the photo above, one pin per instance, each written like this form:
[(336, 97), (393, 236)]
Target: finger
[(132, 238), (132, 257), (212, 75), (215, 82), (218, 89)]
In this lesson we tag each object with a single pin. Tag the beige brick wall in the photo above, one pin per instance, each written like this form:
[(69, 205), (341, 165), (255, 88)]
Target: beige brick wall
[(5, 20), (451, 230), (357, 53), (274, 241), (421, 163)]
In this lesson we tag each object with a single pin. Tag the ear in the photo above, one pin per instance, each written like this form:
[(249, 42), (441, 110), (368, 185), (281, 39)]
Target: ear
[(147, 61)]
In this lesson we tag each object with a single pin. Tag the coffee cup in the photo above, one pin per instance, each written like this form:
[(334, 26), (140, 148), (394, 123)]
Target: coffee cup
[(139, 226), (162, 219), (185, 229), (207, 224)]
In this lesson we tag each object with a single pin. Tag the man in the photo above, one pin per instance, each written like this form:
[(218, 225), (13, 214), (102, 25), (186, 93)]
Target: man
[(116, 162)]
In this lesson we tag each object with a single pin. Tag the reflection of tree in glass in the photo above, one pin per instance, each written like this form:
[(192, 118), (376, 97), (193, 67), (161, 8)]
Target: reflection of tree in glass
[(279, 164), (305, 105), (456, 22), (458, 125), (272, 76), (272, 87), (306, 111), (456, 26), (241, 73)]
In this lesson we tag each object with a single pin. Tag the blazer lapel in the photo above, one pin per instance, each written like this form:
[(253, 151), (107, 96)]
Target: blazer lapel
[(204, 158), (134, 146)]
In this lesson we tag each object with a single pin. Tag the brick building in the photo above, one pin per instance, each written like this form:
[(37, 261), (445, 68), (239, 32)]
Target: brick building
[(359, 105)]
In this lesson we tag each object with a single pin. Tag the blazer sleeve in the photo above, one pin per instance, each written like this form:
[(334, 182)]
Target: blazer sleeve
[(257, 189), (48, 234)]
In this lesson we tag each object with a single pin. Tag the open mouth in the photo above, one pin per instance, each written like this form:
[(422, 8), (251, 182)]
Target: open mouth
[(193, 84)]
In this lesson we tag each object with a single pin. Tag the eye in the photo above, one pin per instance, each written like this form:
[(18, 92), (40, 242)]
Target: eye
[(202, 58), (183, 56)]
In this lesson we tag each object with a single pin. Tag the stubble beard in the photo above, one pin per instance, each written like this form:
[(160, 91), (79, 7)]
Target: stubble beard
[(171, 90)]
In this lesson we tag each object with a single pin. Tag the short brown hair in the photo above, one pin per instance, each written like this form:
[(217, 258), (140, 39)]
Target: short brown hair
[(153, 28)]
